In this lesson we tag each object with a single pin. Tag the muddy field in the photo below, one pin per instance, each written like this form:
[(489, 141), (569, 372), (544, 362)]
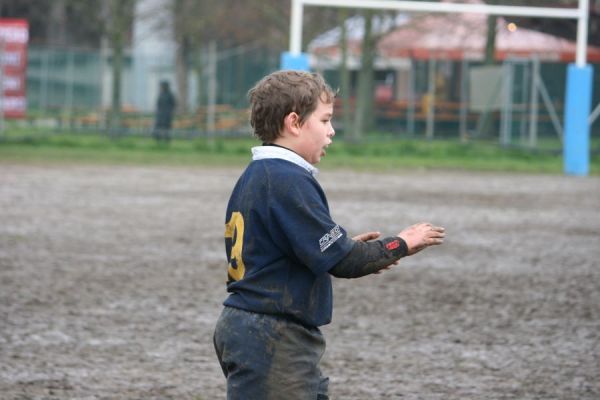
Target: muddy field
[(111, 280)]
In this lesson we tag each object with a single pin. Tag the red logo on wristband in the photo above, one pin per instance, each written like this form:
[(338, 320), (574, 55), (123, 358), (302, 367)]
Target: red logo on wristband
[(393, 245)]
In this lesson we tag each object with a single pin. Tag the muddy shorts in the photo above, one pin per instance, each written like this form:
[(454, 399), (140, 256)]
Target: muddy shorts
[(265, 357)]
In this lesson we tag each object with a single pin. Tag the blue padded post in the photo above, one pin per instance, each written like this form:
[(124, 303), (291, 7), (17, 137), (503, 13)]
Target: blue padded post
[(294, 61), (576, 146)]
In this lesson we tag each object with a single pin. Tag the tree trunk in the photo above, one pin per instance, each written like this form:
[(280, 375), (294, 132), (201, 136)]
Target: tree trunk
[(56, 32), (115, 109), (117, 34), (199, 72), (487, 128), (490, 44), (364, 95), (345, 76), (181, 71), (182, 52)]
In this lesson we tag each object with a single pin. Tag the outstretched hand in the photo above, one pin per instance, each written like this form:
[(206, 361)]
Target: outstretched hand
[(422, 235)]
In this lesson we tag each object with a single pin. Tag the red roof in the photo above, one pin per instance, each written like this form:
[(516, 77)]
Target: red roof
[(463, 36)]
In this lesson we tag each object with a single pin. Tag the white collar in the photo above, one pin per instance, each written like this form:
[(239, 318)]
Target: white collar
[(265, 152)]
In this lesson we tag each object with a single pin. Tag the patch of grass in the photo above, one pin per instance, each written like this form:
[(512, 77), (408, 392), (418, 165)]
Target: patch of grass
[(79, 148), (391, 154), (375, 153)]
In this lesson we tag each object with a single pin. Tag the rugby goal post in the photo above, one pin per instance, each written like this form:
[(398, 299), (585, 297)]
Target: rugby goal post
[(576, 144)]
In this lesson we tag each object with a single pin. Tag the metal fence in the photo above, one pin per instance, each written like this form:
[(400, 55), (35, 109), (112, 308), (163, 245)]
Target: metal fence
[(76, 85), (59, 80), (518, 102)]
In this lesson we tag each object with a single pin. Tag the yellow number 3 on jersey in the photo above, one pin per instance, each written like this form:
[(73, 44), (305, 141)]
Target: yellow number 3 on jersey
[(234, 230)]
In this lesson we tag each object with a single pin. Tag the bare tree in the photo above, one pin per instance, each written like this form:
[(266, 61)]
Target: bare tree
[(197, 23), (56, 33), (59, 22), (364, 93), (181, 11), (120, 17), (490, 43), (345, 74)]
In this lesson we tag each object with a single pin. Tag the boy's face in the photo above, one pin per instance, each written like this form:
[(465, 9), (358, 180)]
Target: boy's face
[(316, 133)]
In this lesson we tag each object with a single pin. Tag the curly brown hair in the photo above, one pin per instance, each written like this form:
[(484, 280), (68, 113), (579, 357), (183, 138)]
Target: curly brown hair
[(283, 92)]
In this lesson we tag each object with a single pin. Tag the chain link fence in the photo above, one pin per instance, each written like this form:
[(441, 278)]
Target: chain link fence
[(519, 102), (72, 89)]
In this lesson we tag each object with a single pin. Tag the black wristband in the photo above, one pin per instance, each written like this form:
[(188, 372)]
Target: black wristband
[(396, 246)]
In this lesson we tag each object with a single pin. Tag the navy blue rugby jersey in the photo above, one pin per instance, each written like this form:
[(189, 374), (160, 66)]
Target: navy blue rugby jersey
[(281, 242)]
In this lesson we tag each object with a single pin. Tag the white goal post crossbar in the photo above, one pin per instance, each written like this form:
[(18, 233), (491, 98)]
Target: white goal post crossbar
[(580, 14), (578, 99)]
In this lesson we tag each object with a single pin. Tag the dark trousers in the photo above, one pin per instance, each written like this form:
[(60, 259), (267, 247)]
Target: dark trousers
[(266, 357)]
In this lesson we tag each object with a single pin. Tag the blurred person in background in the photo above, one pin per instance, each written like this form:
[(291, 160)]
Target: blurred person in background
[(165, 106)]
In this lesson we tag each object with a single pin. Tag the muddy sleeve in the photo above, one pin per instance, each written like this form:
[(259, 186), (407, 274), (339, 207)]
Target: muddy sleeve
[(369, 257)]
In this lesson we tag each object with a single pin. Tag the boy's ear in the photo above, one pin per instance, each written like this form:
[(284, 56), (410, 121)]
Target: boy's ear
[(291, 123)]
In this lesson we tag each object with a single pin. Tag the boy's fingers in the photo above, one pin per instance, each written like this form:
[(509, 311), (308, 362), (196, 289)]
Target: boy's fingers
[(363, 237)]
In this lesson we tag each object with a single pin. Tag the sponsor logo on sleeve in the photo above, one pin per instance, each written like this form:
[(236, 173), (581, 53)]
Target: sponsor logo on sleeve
[(329, 238)]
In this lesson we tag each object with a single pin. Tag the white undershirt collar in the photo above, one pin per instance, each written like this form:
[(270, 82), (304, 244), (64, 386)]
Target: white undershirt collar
[(266, 152)]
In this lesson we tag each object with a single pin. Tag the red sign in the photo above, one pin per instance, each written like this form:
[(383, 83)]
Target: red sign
[(14, 35)]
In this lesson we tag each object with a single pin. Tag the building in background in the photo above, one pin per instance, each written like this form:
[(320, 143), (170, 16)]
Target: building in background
[(452, 38)]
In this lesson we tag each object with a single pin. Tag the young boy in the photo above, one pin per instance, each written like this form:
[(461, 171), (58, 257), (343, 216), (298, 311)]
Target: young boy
[(283, 247)]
